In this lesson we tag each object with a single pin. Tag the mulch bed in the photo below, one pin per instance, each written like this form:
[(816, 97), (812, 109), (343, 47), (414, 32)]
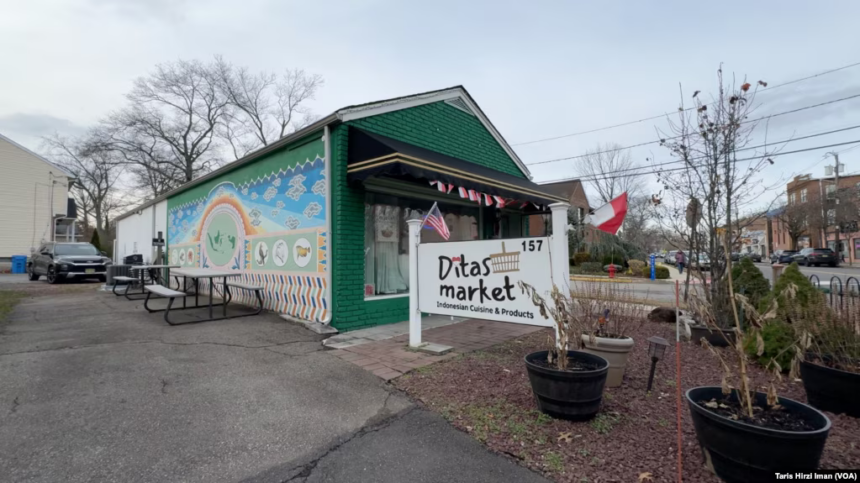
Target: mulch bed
[(487, 394)]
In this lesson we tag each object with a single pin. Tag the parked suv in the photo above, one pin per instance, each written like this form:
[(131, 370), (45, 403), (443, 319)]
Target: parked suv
[(816, 257), (752, 256), (61, 261), (782, 256)]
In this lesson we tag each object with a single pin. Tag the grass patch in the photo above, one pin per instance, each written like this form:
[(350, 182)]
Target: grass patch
[(8, 300), (554, 461), (604, 422)]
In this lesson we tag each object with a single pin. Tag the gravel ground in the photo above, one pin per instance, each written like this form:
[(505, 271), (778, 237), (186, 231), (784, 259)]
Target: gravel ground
[(487, 394)]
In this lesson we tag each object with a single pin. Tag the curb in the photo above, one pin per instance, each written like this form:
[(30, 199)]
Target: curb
[(601, 279)]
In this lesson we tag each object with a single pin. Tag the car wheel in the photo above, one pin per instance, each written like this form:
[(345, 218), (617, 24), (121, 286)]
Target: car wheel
[(833, 264), (807, 263), (31, 274), (52, 276), (102, 279)]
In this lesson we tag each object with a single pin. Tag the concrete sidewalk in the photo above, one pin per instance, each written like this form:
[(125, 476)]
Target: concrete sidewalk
[(97, 389)]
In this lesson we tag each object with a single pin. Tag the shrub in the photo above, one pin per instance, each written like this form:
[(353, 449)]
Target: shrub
[(613, 259), (748, 279), (95, 240), (661, 271), (806, 296), (778, 337), (636, 266), (581, 257), (591, 267)]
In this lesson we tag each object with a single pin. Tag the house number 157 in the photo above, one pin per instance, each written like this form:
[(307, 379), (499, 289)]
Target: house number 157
[(532, 245)]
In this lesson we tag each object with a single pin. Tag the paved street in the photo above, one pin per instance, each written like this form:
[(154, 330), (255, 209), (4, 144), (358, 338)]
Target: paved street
[(96, 389), (664, 291)]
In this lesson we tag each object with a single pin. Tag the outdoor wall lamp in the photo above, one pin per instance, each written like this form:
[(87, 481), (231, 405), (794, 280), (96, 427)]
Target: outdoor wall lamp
[(656, 348)]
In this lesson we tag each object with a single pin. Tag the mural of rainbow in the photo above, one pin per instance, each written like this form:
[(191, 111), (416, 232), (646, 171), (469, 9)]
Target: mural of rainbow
[(266, 221)]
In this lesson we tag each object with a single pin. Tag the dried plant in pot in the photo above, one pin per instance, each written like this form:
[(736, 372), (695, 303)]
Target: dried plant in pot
[(747, 435), (610, 317), (566, 384), (826, 352), (718, 331)]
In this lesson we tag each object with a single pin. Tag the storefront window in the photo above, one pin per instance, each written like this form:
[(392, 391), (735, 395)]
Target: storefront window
[(386, 250), (857, 248)]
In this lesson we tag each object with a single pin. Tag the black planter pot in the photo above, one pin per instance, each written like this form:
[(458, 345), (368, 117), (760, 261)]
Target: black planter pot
[(573, 395), (713, 336), (831, 389), (741, 452)]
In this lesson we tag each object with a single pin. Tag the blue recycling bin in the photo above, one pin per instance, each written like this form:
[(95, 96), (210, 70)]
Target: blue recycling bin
[(19, 264)]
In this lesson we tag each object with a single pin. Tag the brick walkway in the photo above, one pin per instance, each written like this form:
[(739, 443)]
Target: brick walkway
[(391, 358)]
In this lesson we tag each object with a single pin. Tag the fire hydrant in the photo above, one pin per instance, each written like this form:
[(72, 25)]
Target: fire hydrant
[(611, 270)]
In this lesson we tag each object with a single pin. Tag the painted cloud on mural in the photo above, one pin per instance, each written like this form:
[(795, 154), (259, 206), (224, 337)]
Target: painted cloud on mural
[(312, 209)]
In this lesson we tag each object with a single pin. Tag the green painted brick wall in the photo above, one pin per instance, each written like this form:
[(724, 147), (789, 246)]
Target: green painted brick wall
[(444, 129), (351, 311), (438, 127)]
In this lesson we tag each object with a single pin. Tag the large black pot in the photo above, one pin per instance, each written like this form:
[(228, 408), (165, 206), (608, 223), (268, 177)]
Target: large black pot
[(741, 452), (574, 395), (831, 389), (713, 336)]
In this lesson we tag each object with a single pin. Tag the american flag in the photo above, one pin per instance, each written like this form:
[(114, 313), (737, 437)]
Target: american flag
[(435, 221)]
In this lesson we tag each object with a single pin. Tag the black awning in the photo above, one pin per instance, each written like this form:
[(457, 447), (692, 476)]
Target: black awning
[(374, 155)]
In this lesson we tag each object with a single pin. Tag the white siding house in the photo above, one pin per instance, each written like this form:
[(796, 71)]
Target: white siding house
[(33, 193), (136, 229)]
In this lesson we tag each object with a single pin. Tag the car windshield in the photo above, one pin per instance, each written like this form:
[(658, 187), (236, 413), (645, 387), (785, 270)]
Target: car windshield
[(72, 249)]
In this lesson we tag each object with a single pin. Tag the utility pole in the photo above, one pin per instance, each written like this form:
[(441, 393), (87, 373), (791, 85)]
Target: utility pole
[(838, 249)]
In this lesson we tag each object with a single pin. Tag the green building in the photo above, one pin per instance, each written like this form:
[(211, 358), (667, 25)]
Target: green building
[(319, 217)]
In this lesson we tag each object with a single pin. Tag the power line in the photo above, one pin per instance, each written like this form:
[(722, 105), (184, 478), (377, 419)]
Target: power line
[(599, 178), (676, 137), (687, 109), (784, 141)]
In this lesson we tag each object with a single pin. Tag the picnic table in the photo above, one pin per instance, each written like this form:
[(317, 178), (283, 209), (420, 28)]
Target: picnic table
[(197, 274), (155, 274)]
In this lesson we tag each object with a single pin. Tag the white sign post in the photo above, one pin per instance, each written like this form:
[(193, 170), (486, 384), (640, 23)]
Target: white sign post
[(478, 279)]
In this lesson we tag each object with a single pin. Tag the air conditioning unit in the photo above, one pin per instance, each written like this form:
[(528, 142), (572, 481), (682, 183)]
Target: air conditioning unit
[(117, 271)]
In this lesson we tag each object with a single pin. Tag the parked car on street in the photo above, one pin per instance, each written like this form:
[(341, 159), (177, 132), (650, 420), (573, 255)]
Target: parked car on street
[(752, 256), (65, 261), (703, 263), (816, 256), (670, 258), (782, 256), (736, 256)]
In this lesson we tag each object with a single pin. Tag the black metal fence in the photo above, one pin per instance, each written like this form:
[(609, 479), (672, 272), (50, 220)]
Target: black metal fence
[(842, 297)]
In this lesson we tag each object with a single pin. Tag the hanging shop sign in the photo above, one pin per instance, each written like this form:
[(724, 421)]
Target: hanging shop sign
[(479, 279)]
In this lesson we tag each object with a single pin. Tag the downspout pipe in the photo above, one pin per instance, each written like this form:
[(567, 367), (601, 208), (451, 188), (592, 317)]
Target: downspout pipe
[(328, 215)]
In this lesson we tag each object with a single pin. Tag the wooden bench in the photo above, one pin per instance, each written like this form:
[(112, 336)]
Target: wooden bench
[(256, 289), (162, 292)]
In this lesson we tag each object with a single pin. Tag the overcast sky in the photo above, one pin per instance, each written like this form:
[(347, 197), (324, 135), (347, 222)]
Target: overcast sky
[(538, 69)]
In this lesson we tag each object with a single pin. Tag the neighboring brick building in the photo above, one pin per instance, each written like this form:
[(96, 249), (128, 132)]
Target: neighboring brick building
[(319, 217), (804, 190)]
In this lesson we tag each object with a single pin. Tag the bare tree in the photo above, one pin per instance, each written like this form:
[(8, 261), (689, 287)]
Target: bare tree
[(610, 170), (169, 126), (795, 219), (97, 178), (265, 106), (637, 229), (715, 177)]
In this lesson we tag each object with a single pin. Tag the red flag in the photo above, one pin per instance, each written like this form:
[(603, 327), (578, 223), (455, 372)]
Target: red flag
[(610, 216)]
